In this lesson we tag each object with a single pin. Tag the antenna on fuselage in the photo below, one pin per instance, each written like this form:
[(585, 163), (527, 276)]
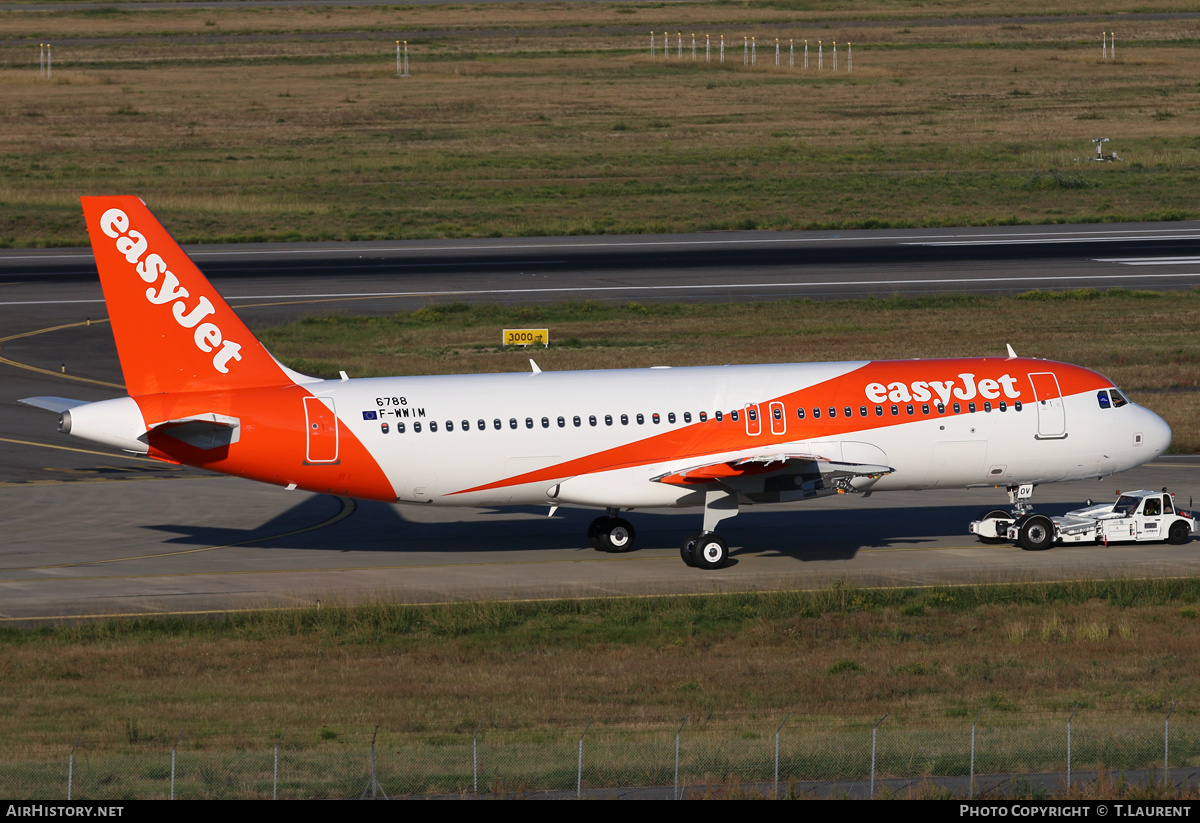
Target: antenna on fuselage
[(1011, 353)]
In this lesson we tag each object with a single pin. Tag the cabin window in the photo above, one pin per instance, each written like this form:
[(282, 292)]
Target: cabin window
[(849, 412), (909, 409), (941, 407), (529, 422), (449, 425), (957, 408), (862, 411), (545, 422), (417, 427), (924, 408), (466, 425), (656, 418), (987, 406), (832, 411), (670, 417), (591, 419), (577, 421), (512, 422), (562, 422), (733, 415), (800, 412), (641, 419), (777, 412), (687, 417), (496, 424), (1003, 406), (433, 425), (399, 428), (624, 420), (608, 419), (703, 417), (720, 417), (971, 407), (1017, 405), (816, 413), (879, 411), (895, 410)]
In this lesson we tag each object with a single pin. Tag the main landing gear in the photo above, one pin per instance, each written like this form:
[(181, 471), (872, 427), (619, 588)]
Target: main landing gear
[(611, 533), (704, 549)]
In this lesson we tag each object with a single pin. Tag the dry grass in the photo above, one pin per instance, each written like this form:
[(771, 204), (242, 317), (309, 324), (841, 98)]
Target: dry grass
[(548, 132), (734, 662)]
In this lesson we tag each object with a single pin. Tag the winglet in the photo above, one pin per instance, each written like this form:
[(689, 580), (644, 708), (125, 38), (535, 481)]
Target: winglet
[(173, 331), (1011, 354)]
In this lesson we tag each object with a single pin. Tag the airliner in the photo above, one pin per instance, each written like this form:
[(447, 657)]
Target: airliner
[(204, 392)]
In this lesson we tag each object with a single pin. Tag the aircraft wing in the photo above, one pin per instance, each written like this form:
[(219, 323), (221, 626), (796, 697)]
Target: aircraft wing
[(786, 475)]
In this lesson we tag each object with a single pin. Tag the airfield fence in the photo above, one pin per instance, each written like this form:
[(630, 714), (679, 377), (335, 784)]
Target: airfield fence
[(792, 758)]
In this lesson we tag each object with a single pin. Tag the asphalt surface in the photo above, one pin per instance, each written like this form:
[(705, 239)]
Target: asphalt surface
[(91, 532)]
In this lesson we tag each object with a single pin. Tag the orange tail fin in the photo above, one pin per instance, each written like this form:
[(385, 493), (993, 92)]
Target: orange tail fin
[(173, 331)]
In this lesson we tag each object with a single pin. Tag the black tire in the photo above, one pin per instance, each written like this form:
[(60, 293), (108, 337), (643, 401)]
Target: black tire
[(687, 549), (1036, 532), (997, 514), (618, 536), (597, 528), (1179, 534), (711, 551)]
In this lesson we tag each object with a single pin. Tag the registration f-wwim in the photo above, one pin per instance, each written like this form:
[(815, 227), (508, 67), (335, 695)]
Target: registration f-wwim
[(202, 391)]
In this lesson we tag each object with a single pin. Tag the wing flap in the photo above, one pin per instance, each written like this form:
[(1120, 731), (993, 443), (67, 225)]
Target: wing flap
[(736, 468)]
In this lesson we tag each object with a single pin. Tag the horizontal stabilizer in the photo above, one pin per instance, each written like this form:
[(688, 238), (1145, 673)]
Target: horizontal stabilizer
[(54, 404), (202, 431)]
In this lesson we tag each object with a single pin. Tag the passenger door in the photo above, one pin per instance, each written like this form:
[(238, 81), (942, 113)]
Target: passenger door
[(1052, 414)]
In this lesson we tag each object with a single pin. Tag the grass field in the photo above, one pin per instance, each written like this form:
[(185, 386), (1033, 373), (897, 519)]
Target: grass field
[(734, 664), (1148, 343), (552, 118)]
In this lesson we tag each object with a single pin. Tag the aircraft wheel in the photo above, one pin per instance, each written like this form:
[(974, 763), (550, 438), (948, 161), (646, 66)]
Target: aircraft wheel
[(711, 551), (995, 514), (687, 551), (595, 530), (1036, 533), (1179, 533), (618, 536)]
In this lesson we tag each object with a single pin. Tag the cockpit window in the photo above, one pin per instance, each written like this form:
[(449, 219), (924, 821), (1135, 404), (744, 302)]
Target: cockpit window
[(1102, 399), (1118, 399)]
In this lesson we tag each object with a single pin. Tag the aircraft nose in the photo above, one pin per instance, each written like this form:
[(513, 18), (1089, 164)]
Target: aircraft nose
[(1156, 434)]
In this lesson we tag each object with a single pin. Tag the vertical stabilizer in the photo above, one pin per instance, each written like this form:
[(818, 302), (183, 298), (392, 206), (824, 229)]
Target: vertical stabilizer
[(173, 331)]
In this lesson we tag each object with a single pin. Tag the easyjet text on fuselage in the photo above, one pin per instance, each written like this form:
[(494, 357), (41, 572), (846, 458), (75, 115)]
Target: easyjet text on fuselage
[(945, 390)]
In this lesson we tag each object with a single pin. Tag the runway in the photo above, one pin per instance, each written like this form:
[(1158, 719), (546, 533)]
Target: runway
[(92, 532)]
